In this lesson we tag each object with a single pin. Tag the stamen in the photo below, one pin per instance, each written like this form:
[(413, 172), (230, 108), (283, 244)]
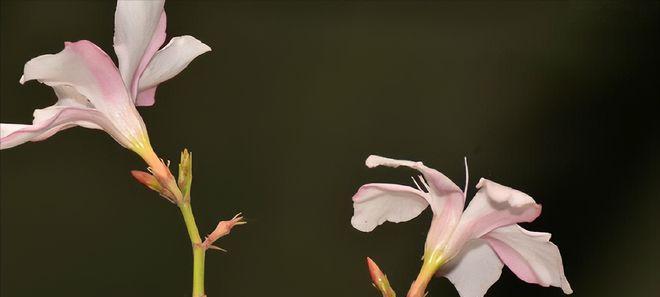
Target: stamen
[(416, 184), (163, 161), (467, 178), (426, 185)]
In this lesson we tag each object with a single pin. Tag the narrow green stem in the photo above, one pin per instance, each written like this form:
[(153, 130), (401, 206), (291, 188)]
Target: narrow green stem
[(198, 250), (432, 262)]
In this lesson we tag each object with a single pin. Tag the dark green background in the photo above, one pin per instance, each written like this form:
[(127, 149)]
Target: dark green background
[(553, 98)]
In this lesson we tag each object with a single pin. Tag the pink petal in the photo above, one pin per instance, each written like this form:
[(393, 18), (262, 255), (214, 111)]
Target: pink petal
[(374, 204), (47, 122), (146, 97), (530, 255), (223, 228), (67, 97), (474, 270), (93, 77), (445, 197), (71, 109), (167, 63), (493, 206), (139, 32)]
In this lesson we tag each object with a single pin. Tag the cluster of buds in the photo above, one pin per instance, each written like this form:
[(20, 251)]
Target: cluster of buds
[(182, 198), (150, 180)]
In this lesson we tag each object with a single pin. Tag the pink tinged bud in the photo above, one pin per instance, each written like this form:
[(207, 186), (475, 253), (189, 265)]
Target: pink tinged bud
[(160, 169), (147, 179), (152, 183), (379, 279), (185, 174), (223, 228)]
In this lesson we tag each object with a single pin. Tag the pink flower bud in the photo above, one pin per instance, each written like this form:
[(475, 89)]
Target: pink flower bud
[(151, 182), (379, 279), (223, 228), (147, 179)]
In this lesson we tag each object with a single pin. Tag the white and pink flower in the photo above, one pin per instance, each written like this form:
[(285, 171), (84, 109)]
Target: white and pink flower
[(94, 93), (469, 247)]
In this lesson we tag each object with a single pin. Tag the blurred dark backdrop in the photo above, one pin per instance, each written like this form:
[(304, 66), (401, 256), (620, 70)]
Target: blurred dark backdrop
[(557, 99)]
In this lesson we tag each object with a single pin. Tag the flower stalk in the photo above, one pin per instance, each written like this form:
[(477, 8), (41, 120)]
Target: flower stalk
[(432, 262), (199, 252), (182, 189)]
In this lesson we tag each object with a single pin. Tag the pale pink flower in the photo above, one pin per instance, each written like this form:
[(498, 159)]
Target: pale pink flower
[(94, 93), (469, 247)]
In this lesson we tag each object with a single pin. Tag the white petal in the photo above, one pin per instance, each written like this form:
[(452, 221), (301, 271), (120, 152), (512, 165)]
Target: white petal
[(493, 206), (139, 32), (96, 81), (530, 255), (374, 204), (49, 121), (166, 63), (446, 196), (440, 185), (67, 97), (72, 109), (474, 270)]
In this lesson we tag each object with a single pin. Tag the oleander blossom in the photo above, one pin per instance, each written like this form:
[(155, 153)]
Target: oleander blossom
[(94, 93), (469, 247)]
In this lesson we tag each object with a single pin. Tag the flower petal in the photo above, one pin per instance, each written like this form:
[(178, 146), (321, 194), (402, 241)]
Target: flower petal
[(493, 206), (139, 32), (91, 73), (49, 121), (474, 270), (66, 97), (374, 204), (447, 196), (166, 63), (72, 109), (530, 255), (146, 97)]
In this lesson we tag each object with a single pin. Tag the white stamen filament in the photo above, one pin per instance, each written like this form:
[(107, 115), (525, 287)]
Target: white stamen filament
[(426, 186), (467, 178), (416, 184)]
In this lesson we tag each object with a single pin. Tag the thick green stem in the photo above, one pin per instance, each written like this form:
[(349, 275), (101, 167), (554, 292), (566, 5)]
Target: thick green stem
[(198, 250)]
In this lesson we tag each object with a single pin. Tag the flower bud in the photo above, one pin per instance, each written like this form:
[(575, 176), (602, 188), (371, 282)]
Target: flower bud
[(147, 179), (379, 279), (223, 228), (152, 183), (185, 174)]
